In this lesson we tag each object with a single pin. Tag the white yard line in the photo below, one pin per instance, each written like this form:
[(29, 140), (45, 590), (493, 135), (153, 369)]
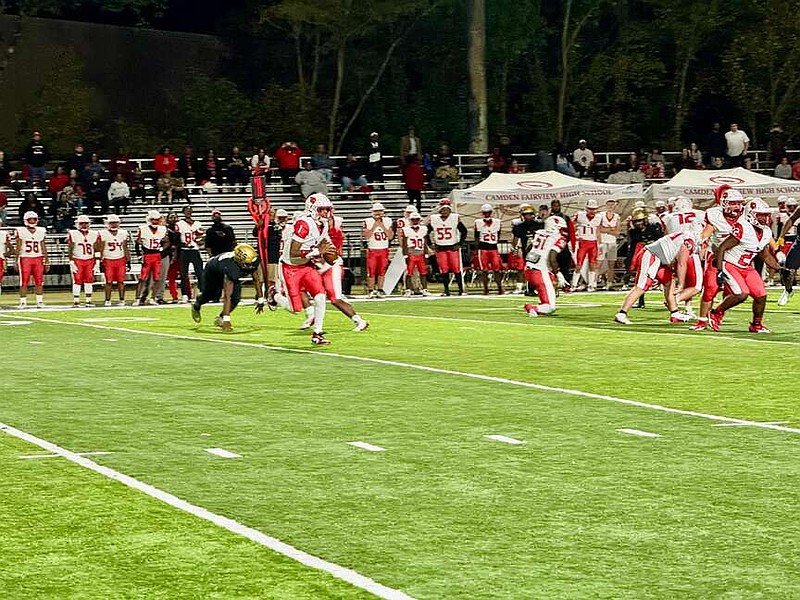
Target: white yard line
[(748, 425), (405, 365), (505, 439), (366, 446), (343, 573), (641, 433), (34, 456), (222, 453)]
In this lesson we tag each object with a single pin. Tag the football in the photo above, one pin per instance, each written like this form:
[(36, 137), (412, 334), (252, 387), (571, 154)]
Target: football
[(329, 253)]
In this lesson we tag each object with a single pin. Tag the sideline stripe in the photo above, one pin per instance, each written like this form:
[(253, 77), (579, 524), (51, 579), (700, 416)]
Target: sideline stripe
[(222, 453), (33, 456), (477, 376), (343, 573), (641, 433), (505, 439), (366, 446)]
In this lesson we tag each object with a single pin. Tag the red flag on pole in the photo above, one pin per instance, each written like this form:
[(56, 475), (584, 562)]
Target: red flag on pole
[(259, 207)]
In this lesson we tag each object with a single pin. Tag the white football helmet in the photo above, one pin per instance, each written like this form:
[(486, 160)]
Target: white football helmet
[(153, 217), (683, 204), (732, 202), (112, 222), (83, 222), (757, 212), (31, 218), (555, 224), (312, 200), (487, 208)]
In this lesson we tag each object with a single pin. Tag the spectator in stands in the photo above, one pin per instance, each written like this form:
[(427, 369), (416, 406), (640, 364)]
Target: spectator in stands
[(64, 210), (783, 169), (617, 166), (36, 158), (58, 181), (95, 195), (446, 165), (428, 164), (697, 156), (119, 194), (717, 163), (515, 168), (488, 169), (288, 158), (92, 168), (714, 144), (323, 163), (164, 162), (583, 160), (374, 158), (179, 191), (414, 181), (208, 171), (655, 156), (260, 165), (137, 183), (76, 162), (219, 237), (737, 145), (170, 262), (310, 180), (561, 160), (238, 173), (633, 162), (5, 169), (352, 174), (120, 164), (499, 164), (410, 145), (32, 202), (655, 165), (506, 149), (3, 209), (164, 188), (777, 143), (747, 163), (685, 161), (187, 165)]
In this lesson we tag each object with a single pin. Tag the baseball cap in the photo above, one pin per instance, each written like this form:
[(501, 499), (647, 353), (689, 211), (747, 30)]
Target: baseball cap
[(591, 203), (581, 141), (113, 219), (638, 204), (374, 133)]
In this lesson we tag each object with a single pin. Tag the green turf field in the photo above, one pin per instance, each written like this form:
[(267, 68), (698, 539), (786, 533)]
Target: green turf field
[(580, 509)]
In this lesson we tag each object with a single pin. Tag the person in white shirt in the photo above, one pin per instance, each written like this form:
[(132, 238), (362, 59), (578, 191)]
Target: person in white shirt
[(609, 229), (738, 144), (119, 194), (583, 160)]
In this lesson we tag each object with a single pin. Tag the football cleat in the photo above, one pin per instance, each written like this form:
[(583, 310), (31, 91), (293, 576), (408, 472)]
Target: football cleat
[(622, 318), (195, 314), (40, 305), (714, 320), (425, 292), (272, 304), (107, 303), (121, 303), (22, 305), (758, 328), (76, 305), (89, 304), (137, 302), (408, 294), (784, 298), (701, 325), (224, 325), (678, 317), (184, 299), (319, 340), (531, 310), (362, 326)]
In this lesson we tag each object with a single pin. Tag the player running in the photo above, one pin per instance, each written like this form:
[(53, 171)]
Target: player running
[(81, 245), (541, 263), (32, 259)]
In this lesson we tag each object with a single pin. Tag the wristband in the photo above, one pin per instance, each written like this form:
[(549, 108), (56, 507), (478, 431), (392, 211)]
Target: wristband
[(226, 318)]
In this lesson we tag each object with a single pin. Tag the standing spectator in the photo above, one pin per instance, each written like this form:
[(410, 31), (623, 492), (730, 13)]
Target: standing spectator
[(208, 171), (237, 170), (374, 158), (164, 162), (121, 163), (58, 181), (288, 157), (95, 195), (323, 163), (219, 237), (31, 202), (610, 224), (36, 158), (260, 165), (777, 143), (92, 168), (192, 236), (76, 163), (137, 183), (696, 155), (187, 165), (414, 182), (352, 174), (737, 145), (170, 262), (506, 149), (119, 194), (783, 169), (5, 169), (377, 233), (428, 166), (499, 164), (583, 160), (715, 144), (410, 145), (310, 180)]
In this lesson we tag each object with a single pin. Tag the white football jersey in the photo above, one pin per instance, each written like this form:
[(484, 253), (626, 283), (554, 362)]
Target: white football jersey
[(150, 237), (722, 225), (415, 239), (3, 243), (586, 228), (666, 248), (307, 232), (32, 242), (445, 231), (752, 240), (380, 237), (114, 243), (543, 243), (488, 230), (82, 243), (611, 222), (691, 221), (189, 233)]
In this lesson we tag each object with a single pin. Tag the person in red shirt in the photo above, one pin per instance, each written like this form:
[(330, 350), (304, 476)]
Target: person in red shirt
[(164, 162), (58, 181), (414, 180), (288, 157), (120, 164)]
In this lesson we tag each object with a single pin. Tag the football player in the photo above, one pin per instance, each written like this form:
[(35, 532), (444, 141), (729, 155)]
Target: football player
[(587, 223), (690, 220), (150, 237), (115, 253), (415, 248), (5, 251), (487, 234), (750, 236), (222, 277), (541, 263), (32, 259), (377, 233), (609, 232), (448, 232), (81, 245), (787, 242)]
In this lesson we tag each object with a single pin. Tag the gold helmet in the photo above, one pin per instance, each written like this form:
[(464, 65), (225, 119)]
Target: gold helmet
[(244, 254), (526, 208), (639, 214)]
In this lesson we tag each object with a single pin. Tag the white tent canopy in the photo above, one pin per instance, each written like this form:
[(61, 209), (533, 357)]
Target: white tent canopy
[(700, 185), (506, 192)]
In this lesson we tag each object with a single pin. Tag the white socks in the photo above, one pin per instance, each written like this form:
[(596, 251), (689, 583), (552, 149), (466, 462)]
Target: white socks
[(319, 312)]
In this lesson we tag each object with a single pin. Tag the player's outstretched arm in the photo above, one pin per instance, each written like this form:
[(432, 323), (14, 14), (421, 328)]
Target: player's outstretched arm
[(730, 242)]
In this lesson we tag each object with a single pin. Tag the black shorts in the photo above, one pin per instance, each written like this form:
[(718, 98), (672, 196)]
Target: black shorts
[(213, 283), (793, 258)]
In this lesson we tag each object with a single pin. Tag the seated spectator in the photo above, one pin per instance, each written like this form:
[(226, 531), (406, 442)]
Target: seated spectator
[(3, 208), (288, 158), (446, 166), (179, 191), (310, 180), (76, 162), (58, 181), (655, 156), (208, 170), (238, 173), (617, 166), (697, 155), (187, 164), (5, 169), (164, 189), (136, 182), (563, 165), (260, 165), (119, 194), (498, 161), (92, 168), (747, 162), (32, 202), (352, 174), (506, 149), (583, 160), (63, 211), (74, 192), (685, 161), (164, 161), (95, 195), (323, 163), (488, 169), (717, 163), (120, 163), (515, 167), (783, 169), (633, 162), (414, 181), (427, 162)]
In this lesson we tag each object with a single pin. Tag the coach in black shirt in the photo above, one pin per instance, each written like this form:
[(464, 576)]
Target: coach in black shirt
[(219, 236)]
